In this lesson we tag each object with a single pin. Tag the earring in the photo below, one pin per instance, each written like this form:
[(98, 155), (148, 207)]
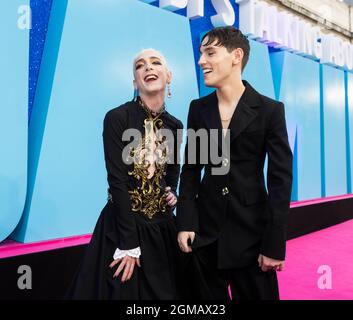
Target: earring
[(169, 95), (135, 94)]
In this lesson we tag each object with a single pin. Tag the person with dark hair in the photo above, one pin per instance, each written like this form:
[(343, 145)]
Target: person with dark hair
[(232, 228), (133, 253)]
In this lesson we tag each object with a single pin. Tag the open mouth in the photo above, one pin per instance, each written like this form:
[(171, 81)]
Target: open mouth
[(207, 71), (150, 78)]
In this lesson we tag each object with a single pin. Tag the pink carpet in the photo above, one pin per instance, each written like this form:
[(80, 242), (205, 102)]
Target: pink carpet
[(331, 247)]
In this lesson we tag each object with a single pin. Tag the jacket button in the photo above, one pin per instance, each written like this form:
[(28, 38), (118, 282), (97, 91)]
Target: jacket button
[(225, 162), (225, 191)]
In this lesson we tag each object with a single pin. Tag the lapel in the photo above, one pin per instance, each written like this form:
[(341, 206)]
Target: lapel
[(243, 115)]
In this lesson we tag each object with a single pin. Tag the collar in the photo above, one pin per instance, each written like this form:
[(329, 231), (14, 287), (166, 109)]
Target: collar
[(250, 97)]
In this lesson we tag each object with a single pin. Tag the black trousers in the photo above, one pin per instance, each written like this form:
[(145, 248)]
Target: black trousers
[(206, 282)]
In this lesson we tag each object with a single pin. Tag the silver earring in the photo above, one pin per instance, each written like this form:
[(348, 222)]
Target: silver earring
[(169, 94)]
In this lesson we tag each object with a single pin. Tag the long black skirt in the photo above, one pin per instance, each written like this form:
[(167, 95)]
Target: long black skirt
[(158, 278)]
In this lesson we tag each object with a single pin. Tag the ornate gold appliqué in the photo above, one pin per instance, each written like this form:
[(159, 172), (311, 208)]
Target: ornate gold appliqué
[(150, 163)]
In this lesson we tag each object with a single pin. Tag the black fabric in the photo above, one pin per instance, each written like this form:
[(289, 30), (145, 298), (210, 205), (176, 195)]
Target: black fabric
[(247, 220), (251, 283), (207, 282), (119, 227), (204, 280), (158, 276)]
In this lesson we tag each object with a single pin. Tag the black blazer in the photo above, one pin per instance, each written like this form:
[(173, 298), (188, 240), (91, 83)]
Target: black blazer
[(235, 208)]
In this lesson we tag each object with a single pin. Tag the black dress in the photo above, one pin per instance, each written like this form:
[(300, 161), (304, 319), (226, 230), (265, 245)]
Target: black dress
[(136, 213)]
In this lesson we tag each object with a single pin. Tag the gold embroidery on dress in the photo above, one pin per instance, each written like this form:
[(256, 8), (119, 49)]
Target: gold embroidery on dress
[(150, 163)]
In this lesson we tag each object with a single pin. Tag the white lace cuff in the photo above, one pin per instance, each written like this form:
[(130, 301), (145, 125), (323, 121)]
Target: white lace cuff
[(135, 253)]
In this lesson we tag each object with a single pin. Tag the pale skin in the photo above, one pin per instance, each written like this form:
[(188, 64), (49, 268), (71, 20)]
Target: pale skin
[(222, 70), (151, 76)]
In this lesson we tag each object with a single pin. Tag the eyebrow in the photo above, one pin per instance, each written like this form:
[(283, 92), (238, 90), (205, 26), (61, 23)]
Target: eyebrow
[(142, 59), (207, 48)]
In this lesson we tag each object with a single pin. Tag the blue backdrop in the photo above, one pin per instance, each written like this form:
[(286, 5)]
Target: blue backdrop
[(79, 66), (86, 69), (13, 119)]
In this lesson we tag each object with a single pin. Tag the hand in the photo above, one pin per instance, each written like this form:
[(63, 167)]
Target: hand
[(128, 264), (171, 197), (183, 237), (266, 263)]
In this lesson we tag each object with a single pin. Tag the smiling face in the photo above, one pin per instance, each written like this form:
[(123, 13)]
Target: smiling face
[(151, 74), (218, 64)]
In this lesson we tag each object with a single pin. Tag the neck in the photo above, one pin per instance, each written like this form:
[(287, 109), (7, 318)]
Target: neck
[(153, 102), (230, 93)]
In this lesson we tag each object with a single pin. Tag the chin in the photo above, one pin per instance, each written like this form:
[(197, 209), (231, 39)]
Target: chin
[(209, 83), (152, 89)]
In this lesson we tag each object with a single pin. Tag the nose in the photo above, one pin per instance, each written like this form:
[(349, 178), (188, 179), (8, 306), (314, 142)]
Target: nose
[(201, 60), (149, 66)]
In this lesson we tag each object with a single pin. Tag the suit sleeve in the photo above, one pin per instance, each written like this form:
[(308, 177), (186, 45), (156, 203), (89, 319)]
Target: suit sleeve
[(117, 172), (187, 211), (279, 184), (173, 169)]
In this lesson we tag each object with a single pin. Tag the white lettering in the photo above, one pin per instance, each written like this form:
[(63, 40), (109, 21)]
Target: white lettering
[(195, 9), (173, 5), (279, 29), (225, 13)]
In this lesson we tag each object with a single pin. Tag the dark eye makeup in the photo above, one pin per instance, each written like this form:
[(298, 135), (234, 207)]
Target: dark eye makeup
[(141, 64)]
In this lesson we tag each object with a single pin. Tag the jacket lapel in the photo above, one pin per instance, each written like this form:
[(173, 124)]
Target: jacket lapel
[(243, 115), (210, 112), (211, 117)]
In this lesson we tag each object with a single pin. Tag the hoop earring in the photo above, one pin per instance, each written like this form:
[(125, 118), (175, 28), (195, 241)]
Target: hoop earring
[(169, 94)]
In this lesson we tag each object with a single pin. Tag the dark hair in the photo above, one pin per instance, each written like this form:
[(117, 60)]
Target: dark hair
[(230, 38)]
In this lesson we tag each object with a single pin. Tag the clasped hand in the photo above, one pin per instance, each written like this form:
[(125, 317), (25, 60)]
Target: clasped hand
[(128, 263)]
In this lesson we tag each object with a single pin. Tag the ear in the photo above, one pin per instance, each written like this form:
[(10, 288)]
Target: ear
[(238, 55), (169, 76), (134, 84)]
